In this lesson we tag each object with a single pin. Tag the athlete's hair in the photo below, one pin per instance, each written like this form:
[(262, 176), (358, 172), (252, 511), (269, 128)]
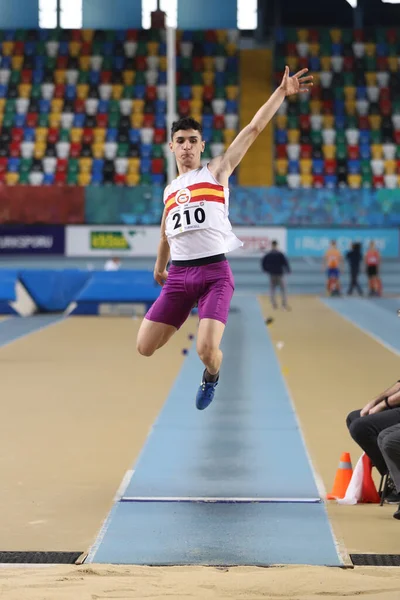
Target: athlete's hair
[(186, 123)]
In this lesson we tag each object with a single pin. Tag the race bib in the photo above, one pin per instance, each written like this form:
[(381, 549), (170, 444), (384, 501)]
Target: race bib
[(186, 215)]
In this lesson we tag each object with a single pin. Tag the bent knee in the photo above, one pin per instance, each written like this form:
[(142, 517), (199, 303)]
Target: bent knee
[(351, 417), (145, 349), (357, 429), (389, 442), (207, 353)]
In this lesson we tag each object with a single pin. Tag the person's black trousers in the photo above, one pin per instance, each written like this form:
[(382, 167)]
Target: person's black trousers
[(365, 432), (354, 282)]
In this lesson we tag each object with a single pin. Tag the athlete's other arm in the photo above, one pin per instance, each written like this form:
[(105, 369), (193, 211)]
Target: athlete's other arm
[(223, 166), (160, 268)]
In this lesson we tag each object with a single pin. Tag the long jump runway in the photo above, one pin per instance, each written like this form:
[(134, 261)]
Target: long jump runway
[(232, 485)]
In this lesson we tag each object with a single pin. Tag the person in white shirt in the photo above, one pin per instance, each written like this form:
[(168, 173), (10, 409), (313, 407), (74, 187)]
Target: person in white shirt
[(112, 264), (196, 234)]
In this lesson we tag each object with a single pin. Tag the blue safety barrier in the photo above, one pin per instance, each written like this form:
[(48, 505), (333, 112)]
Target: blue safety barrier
[(78, 291), (119, 286), (53, 290), (8, 280), (108, 287)]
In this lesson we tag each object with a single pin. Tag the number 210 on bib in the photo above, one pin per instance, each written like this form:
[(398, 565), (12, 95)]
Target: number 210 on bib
[(189, 218)]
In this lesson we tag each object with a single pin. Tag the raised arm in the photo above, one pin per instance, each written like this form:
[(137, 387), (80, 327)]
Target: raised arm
[(223, 166)]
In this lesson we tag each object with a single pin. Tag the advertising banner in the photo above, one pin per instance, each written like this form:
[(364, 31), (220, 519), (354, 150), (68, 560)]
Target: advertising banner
[(32, 239), (107, 240), (315, 242)]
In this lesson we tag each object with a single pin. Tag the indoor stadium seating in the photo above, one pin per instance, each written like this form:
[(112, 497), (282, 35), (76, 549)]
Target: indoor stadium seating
[(84, 107), (346, 131), (208, 86)]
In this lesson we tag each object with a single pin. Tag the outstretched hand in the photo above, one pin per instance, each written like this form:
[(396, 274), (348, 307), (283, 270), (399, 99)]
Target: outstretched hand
[(297, 83)]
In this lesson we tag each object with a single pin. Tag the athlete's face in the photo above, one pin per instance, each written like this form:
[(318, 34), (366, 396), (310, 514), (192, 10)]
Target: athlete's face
[(187, 146)]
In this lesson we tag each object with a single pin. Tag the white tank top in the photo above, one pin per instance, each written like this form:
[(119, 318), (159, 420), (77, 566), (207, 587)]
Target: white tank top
[(197, 223)]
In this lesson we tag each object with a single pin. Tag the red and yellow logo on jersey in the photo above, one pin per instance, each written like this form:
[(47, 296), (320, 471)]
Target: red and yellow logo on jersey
[(183, 196), (209, 192)]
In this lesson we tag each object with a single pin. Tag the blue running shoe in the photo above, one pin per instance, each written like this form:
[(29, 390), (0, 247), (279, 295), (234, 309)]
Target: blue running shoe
[(205, 394)]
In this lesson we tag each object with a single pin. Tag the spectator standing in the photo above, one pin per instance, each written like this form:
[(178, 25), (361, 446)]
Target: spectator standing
[(276, 265), (354, 258), (112, 264), (372, 262)]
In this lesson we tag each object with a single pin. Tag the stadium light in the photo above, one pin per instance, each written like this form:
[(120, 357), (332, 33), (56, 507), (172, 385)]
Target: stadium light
[(47, 14), (247, 15), (391, 1), (353, 3), (71, 14)]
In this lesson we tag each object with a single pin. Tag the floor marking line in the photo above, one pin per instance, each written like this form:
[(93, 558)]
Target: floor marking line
[(106, 523), (218, 500), (317, 478), (340, 549)]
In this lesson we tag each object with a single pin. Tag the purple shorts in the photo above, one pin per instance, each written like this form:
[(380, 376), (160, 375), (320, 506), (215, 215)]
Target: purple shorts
[(211, 286)]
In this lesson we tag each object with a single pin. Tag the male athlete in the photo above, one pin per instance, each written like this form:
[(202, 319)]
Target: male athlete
[(196, 234), (332, 262), (372, 261)]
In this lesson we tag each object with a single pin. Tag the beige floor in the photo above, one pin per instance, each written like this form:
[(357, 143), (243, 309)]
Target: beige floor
[(78, 404)]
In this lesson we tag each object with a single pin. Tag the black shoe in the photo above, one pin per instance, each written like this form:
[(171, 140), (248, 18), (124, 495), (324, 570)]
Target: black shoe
[(392, 496), (397, 514)]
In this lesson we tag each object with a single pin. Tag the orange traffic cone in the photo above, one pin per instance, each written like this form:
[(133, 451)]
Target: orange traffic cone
[(342, 479), (361, 488), (369, 493)]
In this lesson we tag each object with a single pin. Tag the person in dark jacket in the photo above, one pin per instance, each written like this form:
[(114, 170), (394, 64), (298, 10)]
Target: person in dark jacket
[(276, 265), (354, 258)]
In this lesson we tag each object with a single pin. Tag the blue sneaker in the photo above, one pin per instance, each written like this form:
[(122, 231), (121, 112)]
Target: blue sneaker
[(205, 394)]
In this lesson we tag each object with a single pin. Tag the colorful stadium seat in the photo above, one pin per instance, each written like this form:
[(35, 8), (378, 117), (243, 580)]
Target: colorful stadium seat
[(89, 107), (350, 116)]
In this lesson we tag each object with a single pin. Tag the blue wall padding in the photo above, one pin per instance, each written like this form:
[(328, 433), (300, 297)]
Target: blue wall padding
[(118, 14), (119, 286), (87, 308), (203, 15), (20, 15), (8, 279), (54, 290)]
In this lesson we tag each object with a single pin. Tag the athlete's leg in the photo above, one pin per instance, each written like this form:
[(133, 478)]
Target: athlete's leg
[(213, 307), (282, 284), (273, 286), (167, 314), (152, 336), (209, 338)]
